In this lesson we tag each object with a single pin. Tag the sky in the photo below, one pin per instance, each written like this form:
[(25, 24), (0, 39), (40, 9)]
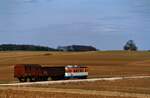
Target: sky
[(105, 24)]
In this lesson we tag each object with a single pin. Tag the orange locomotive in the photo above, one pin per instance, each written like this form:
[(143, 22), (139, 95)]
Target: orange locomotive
[(35, 72)]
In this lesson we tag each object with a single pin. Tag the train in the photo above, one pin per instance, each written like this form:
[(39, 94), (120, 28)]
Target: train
[(36, 72)]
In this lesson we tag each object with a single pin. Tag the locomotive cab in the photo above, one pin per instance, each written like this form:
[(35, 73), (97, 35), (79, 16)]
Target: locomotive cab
[(76, 71)]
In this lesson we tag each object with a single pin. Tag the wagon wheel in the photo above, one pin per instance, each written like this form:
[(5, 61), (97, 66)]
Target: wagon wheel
[(23, 79), (32, 79)]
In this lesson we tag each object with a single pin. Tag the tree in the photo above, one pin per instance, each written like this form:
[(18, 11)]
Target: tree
[(130, 45)]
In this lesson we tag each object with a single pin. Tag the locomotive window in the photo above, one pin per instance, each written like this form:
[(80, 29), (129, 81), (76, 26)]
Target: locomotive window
[(69, 70), (76, 70), (85, 69), (80, 70)]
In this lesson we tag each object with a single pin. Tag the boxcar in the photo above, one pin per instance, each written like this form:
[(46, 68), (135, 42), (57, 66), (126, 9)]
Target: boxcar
[(55, 73), (26, 72)]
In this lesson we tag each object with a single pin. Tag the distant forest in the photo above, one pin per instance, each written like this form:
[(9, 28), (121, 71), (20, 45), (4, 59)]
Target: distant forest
[(14, 47)]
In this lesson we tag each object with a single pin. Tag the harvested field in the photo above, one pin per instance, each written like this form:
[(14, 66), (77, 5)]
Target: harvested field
[(141, 86), (39, 94), (126, 88), (100, 64), (63, 58)]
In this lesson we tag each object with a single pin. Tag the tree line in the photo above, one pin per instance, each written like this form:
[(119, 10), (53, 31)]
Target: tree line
[(15, 47), (130, 45)]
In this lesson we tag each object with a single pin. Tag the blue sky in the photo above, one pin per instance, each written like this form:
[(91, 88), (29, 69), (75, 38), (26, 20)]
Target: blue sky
[(105, 24)]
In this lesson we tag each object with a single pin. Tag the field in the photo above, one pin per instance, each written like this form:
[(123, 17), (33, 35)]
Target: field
[(100, 64), (39, 94), (141, 86)]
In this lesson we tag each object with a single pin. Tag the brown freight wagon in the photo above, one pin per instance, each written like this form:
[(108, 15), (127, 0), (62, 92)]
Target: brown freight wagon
[(35, 72)]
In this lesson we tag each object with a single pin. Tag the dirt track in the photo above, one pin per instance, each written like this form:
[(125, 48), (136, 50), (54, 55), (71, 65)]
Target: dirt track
[(72, 81)]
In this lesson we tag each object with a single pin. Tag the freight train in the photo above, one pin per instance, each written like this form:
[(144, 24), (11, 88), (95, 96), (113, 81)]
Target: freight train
[(35, 72)]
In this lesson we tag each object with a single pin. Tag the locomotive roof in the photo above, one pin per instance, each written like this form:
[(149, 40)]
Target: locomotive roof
[(75, 66)]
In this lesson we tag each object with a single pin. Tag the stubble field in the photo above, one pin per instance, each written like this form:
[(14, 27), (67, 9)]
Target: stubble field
[(100, 64)]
